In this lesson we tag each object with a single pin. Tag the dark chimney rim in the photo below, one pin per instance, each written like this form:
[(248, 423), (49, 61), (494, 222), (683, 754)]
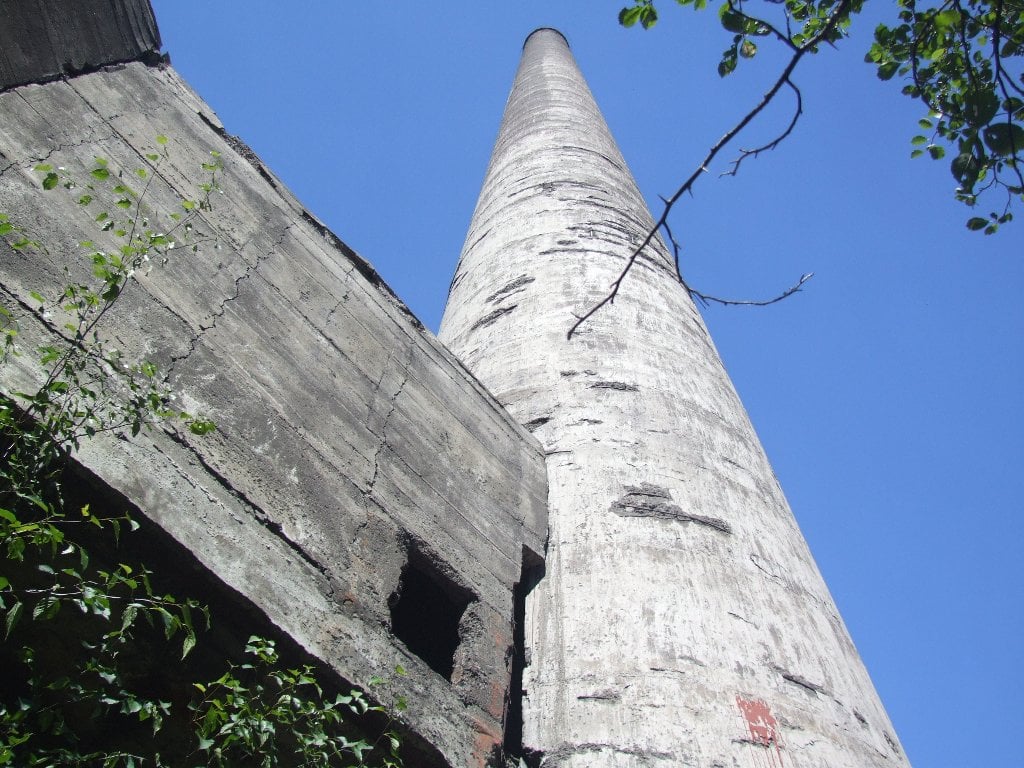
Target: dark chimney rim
[(546, 29)]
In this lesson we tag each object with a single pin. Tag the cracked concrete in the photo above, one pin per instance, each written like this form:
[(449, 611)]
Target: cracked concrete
[(393, 405), (216, 314), (344, 429)]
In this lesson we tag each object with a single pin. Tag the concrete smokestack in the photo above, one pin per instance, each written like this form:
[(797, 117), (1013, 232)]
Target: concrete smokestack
[(681, 619)]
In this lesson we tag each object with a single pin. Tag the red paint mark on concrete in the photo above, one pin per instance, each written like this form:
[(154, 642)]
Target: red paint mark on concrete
[(762, 726), (488, 739)]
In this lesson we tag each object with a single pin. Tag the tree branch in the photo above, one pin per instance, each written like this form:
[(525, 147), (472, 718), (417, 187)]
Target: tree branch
[(784, 78), (745, 153), (707, 299)]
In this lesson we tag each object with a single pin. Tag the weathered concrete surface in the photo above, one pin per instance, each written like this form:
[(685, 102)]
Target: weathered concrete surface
[(45, 39), (349, 441), (681, 620)]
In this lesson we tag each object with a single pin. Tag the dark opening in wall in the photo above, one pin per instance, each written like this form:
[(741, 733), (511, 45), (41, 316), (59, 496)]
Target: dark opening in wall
[(425, 613), (532, 573)]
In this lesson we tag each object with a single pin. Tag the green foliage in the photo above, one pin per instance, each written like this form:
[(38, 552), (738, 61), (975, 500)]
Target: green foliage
[(259, 713), (962, 59), (88, 643)]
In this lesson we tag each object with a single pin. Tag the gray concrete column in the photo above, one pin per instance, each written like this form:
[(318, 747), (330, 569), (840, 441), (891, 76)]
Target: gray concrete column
[(681, 619)]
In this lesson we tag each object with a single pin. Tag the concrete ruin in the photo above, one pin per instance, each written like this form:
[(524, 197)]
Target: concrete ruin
[(361, 486), (381, 505)]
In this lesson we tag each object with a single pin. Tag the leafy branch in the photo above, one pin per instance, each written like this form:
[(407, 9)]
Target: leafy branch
[(962, 60)]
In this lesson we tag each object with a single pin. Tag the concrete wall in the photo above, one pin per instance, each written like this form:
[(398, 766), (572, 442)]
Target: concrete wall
[(681, 619), (45, 39), (350, 446)]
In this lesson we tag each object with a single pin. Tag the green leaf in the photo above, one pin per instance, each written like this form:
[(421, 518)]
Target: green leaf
[(946, 18), (1004, 138), (129, 616), (50, 181), (732, 21), (748, 49), (980, 106), (201, 426), (648, 18), (188, 643), (13, 614), (629, 16), (887, 70), (965, 169), (976, 223), (161, 139), (100, 173), (46, 609)]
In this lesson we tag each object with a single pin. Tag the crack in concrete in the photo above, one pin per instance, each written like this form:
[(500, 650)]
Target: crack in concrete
[(331, 312), (393, 406), (33, 161), (743, 619), (249, 271)]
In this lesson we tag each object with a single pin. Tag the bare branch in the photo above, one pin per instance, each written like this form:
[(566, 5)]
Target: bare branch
[(796, 288), (745, 153), (706, 299), (718, 146)]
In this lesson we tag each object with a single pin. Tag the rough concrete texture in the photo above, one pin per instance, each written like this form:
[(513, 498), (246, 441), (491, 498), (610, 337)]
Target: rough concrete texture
[(45, 39), (681, 619), (350, 446)]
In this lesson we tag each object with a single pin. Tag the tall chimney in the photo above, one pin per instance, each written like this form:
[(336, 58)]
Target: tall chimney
[(681, 619)]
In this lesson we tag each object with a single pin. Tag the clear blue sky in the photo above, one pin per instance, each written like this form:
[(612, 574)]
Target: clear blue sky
[(888, 394)]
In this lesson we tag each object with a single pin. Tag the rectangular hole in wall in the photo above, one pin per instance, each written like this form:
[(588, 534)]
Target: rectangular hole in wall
[(425, 613)]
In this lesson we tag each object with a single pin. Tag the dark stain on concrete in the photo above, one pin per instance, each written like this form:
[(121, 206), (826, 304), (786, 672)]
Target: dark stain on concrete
[(648, 500), (513, 287), (492, 317), (620, 386)]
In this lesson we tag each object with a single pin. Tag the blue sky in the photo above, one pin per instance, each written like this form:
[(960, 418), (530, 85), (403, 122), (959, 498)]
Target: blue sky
[(888, 394)]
